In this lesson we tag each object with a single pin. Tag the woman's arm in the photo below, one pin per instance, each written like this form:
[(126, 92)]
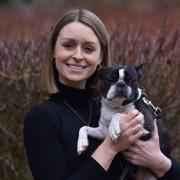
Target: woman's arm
[(148, 154), (46, 154), (130, 132)]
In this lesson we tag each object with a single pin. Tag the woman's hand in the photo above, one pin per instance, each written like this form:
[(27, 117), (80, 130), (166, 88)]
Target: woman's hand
[(130, 132), (130, 127), (148, 154)]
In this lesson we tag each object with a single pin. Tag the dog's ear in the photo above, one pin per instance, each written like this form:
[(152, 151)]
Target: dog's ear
[(98, 79), (139, 70)]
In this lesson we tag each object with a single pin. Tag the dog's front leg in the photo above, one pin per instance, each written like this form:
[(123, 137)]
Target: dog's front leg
[(114, 128), (97, 132), (82, 140)]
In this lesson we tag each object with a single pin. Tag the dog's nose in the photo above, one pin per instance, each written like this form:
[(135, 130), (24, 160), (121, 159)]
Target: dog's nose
[(121, 85)]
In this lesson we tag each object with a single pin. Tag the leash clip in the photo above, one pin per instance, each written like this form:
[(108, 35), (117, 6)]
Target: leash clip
[(146, 101), (157, 111)]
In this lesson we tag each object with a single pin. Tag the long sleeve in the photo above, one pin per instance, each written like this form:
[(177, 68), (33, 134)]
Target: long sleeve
[(45, 151), (174, 172)]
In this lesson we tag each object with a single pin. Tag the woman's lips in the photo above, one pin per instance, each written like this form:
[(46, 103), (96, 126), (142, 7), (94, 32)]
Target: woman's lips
[(76, 66)]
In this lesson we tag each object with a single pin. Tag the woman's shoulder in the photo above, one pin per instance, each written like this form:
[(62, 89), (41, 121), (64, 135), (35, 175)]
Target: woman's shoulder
[(42, 119), (47, 111), (44, 107), (50, 105)]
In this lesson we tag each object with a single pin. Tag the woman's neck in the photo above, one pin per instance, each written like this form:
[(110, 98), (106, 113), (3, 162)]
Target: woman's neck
[(71, 94), (77, 85)]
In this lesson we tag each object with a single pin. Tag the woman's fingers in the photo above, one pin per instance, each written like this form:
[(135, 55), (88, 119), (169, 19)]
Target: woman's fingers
[(155, 133), (132, 125), (137, 120), (132, 135), (133, 155), (131, 115), (136, 136), (131, 129), (135, 130)]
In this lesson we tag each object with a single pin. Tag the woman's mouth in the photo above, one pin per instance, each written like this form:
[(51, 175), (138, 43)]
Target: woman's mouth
[(76, 66)]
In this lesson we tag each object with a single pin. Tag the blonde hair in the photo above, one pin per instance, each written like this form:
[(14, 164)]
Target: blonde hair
[(50, 73)]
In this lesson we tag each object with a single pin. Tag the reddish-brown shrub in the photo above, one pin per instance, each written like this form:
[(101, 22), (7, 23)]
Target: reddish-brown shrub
[(20, 69)]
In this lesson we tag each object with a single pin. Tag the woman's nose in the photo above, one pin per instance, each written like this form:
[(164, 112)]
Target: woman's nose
[(78, 55)]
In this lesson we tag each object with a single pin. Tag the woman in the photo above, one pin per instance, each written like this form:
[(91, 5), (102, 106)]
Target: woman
[(78, 48)]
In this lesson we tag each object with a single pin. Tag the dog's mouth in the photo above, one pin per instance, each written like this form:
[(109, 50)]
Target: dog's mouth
[(119, 95), (116, 96), (114, 102)]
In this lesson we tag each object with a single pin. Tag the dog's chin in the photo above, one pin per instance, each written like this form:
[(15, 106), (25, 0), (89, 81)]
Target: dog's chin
[(115, 102), (116, 96)]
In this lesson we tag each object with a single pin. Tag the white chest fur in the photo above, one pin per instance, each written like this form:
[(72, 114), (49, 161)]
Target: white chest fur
[(107, 112)]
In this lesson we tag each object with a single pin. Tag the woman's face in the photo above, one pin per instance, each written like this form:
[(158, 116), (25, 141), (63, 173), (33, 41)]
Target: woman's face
[(77, 54)]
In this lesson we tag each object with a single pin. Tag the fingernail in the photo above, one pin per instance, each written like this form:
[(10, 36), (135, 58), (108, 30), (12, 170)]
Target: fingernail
[(135, 111)]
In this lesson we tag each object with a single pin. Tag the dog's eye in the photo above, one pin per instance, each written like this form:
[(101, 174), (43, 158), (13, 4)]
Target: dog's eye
[(114, 75), (133, 83)]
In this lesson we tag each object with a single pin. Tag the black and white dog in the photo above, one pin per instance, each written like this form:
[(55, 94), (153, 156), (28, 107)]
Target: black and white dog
[(121, 92)]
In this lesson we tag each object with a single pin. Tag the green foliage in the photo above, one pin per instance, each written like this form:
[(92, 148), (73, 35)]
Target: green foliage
[(20, 69)]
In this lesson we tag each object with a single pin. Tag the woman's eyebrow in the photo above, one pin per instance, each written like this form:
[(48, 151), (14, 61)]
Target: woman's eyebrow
[(66, 38), (86, 42), (90, 42)]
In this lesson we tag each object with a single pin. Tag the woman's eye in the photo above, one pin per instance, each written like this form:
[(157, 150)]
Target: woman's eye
[(88, 49), (68, 45)]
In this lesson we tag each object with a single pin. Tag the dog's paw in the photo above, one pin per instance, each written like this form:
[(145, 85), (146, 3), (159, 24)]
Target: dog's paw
[(82, 140), (82, 146), (114, 128)]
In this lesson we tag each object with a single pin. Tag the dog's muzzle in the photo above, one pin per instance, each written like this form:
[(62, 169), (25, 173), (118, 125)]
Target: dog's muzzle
[(122, 90)]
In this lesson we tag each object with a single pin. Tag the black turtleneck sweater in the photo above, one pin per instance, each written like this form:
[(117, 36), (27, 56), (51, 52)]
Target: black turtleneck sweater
[(50, 138)]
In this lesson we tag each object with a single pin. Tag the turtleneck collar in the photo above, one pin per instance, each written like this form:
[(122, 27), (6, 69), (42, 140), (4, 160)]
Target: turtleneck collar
[(72, 94)]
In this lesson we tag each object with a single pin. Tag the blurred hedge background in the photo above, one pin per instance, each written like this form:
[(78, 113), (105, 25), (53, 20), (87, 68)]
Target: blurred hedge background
[(141, 31)]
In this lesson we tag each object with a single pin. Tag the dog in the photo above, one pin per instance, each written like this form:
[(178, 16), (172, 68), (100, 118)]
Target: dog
[(121, 92)]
